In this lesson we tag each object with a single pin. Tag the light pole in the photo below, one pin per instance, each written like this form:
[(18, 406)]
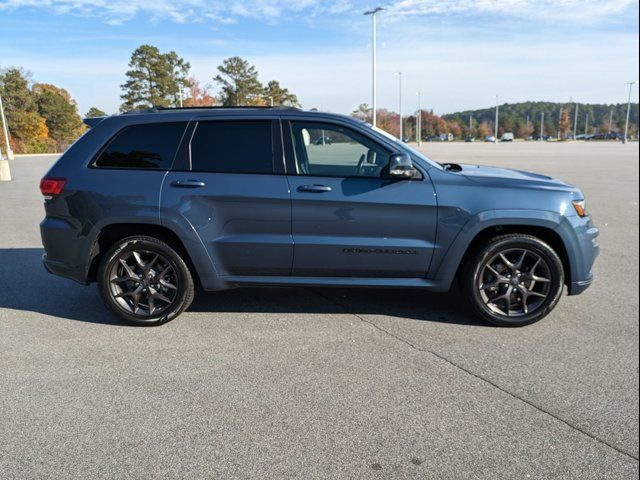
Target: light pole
[(626, 124), (373, 61), (575, 123), (419, 123), (399, 74), (495, 129), (610, 121), (559, 120), (586, 126), (6, 132), (541, 126)]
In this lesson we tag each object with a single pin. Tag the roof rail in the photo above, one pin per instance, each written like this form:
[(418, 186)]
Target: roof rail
[(156, 109), (221, 107)]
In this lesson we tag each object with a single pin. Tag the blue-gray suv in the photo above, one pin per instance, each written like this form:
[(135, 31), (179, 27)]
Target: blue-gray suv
[(153, 203)]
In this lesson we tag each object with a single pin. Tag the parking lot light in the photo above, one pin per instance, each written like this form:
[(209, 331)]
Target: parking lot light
[(6, 132), (399, 74), (373, 62), (495, 129), (5, 173), (626, 125)]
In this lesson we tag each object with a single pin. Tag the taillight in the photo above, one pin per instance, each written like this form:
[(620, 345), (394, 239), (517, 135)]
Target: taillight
[(52, 186)]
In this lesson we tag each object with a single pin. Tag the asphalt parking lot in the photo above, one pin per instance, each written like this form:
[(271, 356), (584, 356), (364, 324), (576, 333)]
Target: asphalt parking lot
[(323, 383)]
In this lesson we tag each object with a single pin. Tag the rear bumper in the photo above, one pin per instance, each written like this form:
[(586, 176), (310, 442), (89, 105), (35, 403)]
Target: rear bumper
[(62, 270), (65, 250)]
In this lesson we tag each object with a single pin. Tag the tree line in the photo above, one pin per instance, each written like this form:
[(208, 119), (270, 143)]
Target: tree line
[(44, 118), (163, 80), (522, 119)]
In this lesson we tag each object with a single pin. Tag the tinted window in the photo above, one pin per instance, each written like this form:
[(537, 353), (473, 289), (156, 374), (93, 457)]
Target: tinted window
[(325, 149), (143, 146), (232, 147)]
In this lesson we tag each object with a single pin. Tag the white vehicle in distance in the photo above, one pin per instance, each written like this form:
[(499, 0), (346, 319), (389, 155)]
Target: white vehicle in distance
[(507, 137)]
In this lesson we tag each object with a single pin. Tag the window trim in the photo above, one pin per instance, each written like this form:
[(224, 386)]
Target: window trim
[(291, 157), (93, 162), (276, 144)]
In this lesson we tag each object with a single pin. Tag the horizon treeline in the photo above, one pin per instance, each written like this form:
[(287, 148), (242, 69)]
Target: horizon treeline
[(44, 118)]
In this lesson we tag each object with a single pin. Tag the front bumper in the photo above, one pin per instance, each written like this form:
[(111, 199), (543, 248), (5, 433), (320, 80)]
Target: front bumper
[(582, 254)]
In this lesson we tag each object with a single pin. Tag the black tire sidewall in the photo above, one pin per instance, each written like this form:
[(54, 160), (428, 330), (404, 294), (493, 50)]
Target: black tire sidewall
[(184, 295), (483, 254)]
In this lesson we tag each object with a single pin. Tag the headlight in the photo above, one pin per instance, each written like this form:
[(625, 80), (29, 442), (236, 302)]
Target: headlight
[(581, 207)]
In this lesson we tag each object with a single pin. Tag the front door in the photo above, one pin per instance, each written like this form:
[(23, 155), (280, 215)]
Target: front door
[(348, 217), (233, 193)]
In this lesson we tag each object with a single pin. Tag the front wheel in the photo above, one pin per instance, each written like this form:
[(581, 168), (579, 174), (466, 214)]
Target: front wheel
[(145, 281), (513, 280)]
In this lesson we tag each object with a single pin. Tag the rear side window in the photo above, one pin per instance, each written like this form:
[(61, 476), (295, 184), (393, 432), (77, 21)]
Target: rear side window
[(232, 147), (149, 146)]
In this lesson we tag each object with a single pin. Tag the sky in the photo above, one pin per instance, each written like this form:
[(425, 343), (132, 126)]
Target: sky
[(459, 54)]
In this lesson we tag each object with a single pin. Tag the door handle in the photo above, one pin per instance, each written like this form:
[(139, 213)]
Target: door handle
[(314, 188), (187, 183)]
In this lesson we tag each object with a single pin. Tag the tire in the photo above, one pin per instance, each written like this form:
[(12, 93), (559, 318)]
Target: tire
[(144, 281), (508, 288)]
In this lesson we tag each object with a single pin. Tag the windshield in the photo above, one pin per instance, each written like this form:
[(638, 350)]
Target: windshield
[(403, 146)]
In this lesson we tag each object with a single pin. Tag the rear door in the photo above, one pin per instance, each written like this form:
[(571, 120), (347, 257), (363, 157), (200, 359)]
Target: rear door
[(349, 219), (228, 185)]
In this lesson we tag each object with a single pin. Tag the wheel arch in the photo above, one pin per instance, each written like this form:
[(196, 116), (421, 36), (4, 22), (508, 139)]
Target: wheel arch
[(112, 233), (541, 224), (547, 235)]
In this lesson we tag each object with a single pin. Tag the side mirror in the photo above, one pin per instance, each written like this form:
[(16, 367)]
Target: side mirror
[(400, 166)]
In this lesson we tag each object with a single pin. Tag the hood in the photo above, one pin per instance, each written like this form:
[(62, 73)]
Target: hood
[(495, 176)]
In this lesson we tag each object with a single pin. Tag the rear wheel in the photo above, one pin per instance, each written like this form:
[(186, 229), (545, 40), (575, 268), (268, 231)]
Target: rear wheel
[(513, 280), (145, 281)]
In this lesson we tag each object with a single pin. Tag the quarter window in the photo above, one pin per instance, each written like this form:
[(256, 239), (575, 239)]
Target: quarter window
[(332, 150), (148, 146), (232, 147)]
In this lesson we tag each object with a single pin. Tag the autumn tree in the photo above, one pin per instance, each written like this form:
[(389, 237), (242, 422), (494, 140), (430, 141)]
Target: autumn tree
[(27, 128), (239, 84), (198, 96), (60, 113), (564, 125), (95, 112), (484, 129), (154, 79), (363, 112)]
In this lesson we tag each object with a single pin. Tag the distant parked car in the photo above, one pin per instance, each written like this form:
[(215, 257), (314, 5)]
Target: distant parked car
[(469, 138), (432, 138), (446, 137), (537, 137), (489, 138), (507, 137)]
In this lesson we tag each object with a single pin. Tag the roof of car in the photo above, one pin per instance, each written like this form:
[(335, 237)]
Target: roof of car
[(186, 113)]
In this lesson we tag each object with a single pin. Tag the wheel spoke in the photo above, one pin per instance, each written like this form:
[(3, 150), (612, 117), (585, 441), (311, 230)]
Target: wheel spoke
[(506, 261), (166, 284), (125, 279), (127, 268), (138, 259), (150, 265), (520, 261)]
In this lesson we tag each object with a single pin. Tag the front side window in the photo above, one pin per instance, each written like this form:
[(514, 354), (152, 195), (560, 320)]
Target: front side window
[(324, 149), (232, 147), (148, 146)]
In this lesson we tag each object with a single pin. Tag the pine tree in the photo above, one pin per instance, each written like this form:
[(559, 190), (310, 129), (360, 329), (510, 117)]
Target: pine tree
[(239, 83), (154, 79)]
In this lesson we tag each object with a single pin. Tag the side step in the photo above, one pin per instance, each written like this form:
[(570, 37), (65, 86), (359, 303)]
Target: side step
[(240, 280)]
